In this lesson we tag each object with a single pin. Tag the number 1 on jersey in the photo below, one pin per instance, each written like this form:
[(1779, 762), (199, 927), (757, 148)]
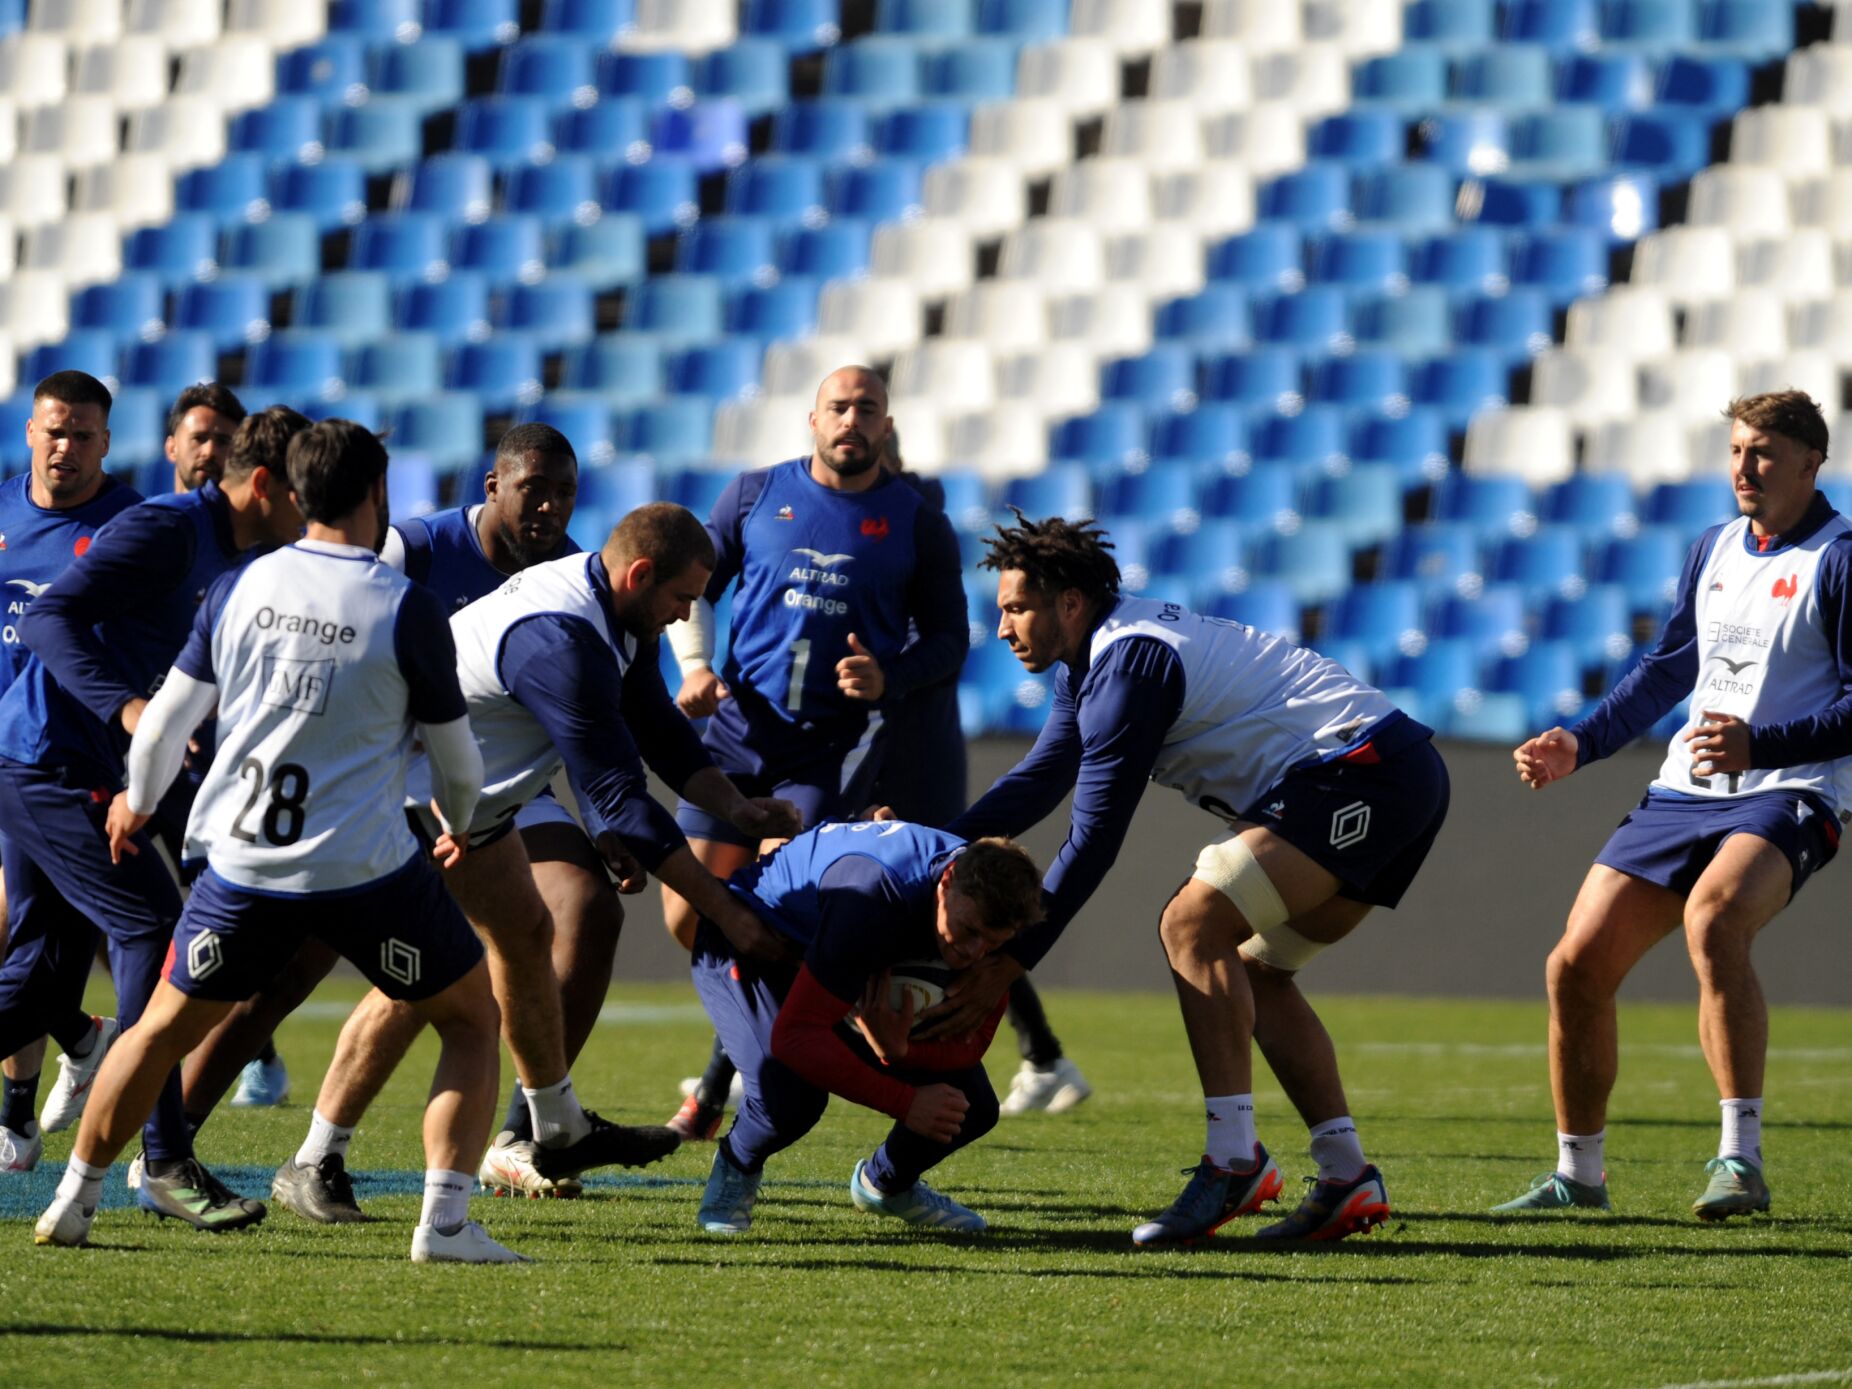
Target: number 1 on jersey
[(800, 662)]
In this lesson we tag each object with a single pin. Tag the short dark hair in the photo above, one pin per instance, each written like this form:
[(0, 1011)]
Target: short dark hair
[(534, 437), (74, 388), (1002, 882), (332, 465), (262, 441), (670, 537), (1793, 414), (1055, 555), (214, 395)]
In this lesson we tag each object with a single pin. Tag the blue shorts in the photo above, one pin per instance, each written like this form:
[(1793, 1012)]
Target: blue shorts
[(829, 774), (1671, 840), (1368, 821), (404, 933)]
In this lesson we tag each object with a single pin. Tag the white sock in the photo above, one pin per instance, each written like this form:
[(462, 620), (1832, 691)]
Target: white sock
[(324, 1138), (556, 1113), (1580, 1156), (1742, 1130), (82, 1183), (1337, 1150), (1231, 1137), (446, 1198)]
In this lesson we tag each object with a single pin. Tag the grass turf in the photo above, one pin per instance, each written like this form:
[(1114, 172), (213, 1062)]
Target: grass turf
[(1450, 1096)]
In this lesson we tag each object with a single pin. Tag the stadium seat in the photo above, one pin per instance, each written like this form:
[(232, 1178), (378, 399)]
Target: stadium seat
[(169, 365), (1515, 76), (505, 248), (333, 70), (1519, 323), (1714, 84), (937, 257), (1384, 618), (1029, 20), (1266, 258), (663, 193), (384, 134), (1413, 442), (974, 70), (754, 73), (351, 306), (382, 21), (1416, 324), (1531, 442), (562, 191), (1548, 678), (711, 134), (1596, 625), (1412, 81), (1566, 263), (1607, 81), (1549, 559), (597, 20), (1493, 618), (925, 133), (800, 25), (1360, 260), (1645, 566), (1458, 386), (554, 69), (878, 73), (779, 187), (397, 370), (333, 192), (607, 254), (1314, 561), (623, 368), (285, 250), (1215, 319), (556, 311), (131, 308), (507, 131), (1375, 380), (1746, 28), (455, 308), (1315, 320), (881, 192), (736, 250), (296, 362), (1556, 24), (1442, 555), (1314, 198), (787, 309), (477, 24), (676, 308), (1273, 377), (829, 129), (233, 188), (446, 428), (1164, 378), (503, 372), (403, 245), (289, 129), (838, 250), (718, 371), (1496, 505), (1690, 507), (1106, 440)]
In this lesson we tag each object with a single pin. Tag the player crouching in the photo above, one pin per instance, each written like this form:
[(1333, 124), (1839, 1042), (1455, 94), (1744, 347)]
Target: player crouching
[(854, 900)]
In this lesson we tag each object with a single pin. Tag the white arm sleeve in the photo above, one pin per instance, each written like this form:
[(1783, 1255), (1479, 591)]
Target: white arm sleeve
[(392, 550), (693, 641), (456, 770), (159, 745)]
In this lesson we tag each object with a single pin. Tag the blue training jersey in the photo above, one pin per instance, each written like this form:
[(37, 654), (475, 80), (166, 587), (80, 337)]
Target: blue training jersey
[(37, 544), (108, 629), (815, 564), (443, 551)]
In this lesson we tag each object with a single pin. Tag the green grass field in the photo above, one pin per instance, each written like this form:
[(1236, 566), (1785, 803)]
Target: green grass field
[(1451, 1098)]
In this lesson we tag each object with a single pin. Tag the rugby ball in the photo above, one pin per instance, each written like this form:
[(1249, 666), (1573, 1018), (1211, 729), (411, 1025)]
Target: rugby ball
[(924, 980)]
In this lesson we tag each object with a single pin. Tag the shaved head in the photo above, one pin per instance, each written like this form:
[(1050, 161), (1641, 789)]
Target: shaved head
[(849, 426), (853, 381)]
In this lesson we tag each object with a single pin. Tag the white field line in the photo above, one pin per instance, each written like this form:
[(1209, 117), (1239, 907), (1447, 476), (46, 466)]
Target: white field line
[(1770, 1381), (1676, 1049)]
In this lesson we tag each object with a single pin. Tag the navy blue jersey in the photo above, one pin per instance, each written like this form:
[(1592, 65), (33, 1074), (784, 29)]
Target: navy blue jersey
[(815, 564), (858, 896), (108, 629), (443, 551), (36, 545)]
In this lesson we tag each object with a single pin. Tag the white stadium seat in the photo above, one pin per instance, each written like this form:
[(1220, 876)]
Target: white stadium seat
[(131, 71), (1813, 372), (1358, 27), (1036, 136), (1647, 448), (1313, 81), (1265, 140), (1064, 254), (1210, 74), (9, 130), (767, 430), (1630, 318), (34, 190), (35, 69), (1214, 200), (1825, 201), (957, 374), (237, 73), (1061, 378), (1591, 385), (83, 249), (1748, 323), (1690, 384), (1008, 441), (797, 368), (1079, 75), (1749, 201), (133, 190), (694, 26), (1532, 442), (935, 254), (186, 131), (1823, 325), (179, 24), (1133, 27), (1164, 136), (9, 366), (1163, 261), (1114, 320), (1113, 194), (885, 314), (1821, 75), (1794, 266), (1262, 26), (1008, 314), (288, 23), (1795, 139), (34, 308), (987, 196), (1686, 263), (80, 21), (921, 425), (81, 130)]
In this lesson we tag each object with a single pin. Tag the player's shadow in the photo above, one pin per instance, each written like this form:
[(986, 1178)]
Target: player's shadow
[(194, 1336), (1136, 1264)]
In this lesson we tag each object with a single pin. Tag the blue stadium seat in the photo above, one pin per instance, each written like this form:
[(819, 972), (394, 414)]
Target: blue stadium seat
[(586, 420), (825, 130), (475, 23), (1670, 144), (735, 250), (607, 254), (664, 193), (381, 21), (1566, 143), (1448, 23), (1597, 624), (228, 190), (556, 312), (1460, 384), (972, 71), (362, 407), (1413, 442), (508, 131), (1376, 380), (1608, 81), (1505, 203), (351, 306), (422, 77), (1211, 556), (710, 134), (411, 485), (1383, 617), (555, 69), (1265, 603), (1362, 137), (1519, 324), (836, 251), (624, 368), (1410, 81), (1562, 24), (287, 128), (676, 431), (386, 133), (1314, 437), (615, 489), (131, 307), (1314, 562), (1495, 505), (447, 428), (170, 364), (780, 187), (753, 72), (456, 308), (1365, 501), (404, 245), (1315, 320), (766, 313), (1514, 76), (1441, 554), (1549, 559), (1466, 260), (719, 371), (331, 71), (1548, 678), (1418, 323), (1483, 717), (1567, 263), (232, 312), (91, 350), (1163, 377), (1601, 504), (1214, 433), (1164, 496), (1443, 669), (503, 372), (564, 190), (927, 132), (1269, 257), (1411, 198), (1691, 507), (1654, 26), (1493, 619), (878, 73), (395, 370), (1705, 84), (138, 423), (657, 77), (696, 488), (1360, 260), (1058, 490), (1264, 499), (939, 20), (676, 308), (454, 186), (597, 20), (1214, 319), (508, 247), (295, 362), (1261, 376), (332, 192), (1646, 565), (1475, 140), (1108, 439), (1749, 29), (286, 250), (886, 191), (1313, 198), (800, 25), (1623, 207), (618, 127)]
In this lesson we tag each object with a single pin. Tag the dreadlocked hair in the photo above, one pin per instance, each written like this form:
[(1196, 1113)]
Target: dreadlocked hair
[(1055, 555)]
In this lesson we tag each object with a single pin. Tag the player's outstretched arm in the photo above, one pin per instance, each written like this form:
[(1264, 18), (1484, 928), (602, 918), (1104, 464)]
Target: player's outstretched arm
[(1546, 758), (763, 817), (456, 775), (685, 874), (155, 754)]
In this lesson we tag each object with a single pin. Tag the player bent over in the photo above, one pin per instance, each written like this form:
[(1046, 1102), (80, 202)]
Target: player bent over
[(1746, 806), (1333, 798), (323, 663), (857, 899)]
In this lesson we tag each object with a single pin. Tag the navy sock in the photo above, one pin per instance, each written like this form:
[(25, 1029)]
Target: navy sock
[(520, 1119), (76, 1033), (269, 1051), (18, 1102), (717, 1079)]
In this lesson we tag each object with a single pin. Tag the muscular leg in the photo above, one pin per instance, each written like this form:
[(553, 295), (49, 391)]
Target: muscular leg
[(213, 1066), (1616, 919), (373, 1041), (1294, 1042), (462, 1102), (1747, 883), (137, 1067)]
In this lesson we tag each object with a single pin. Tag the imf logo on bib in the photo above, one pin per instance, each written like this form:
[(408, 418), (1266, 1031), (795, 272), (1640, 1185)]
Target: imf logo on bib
[(1350, 825), (298, 685), (401, 961)]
